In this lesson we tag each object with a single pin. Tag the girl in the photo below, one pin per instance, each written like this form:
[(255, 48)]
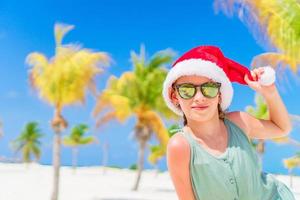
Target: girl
[(211, 158)]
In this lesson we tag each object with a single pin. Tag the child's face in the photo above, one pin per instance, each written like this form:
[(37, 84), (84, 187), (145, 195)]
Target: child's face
[(188, 105)]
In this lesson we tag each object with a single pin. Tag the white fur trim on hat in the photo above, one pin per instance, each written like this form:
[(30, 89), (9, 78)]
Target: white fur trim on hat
[(268, 77), (202, 68)]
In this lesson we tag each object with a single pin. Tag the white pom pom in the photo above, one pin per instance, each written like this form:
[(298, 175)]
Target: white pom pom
[(268, 77)]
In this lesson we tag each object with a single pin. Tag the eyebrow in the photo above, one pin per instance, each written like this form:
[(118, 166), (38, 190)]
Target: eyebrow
[(209, 81)]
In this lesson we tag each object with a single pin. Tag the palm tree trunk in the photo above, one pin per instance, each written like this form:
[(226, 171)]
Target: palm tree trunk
[(291, 178), (105, 156), (74, 158), (58, 124), (56, 164), (142, 145), (156, 170)]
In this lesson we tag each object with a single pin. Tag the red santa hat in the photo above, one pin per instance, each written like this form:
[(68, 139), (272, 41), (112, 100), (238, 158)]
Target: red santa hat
[(210, 62)]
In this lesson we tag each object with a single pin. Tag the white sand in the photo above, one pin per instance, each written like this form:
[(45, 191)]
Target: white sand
[(34, 182)]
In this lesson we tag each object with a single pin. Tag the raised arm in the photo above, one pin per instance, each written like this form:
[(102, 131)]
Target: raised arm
[(277, 125), (178, 159)]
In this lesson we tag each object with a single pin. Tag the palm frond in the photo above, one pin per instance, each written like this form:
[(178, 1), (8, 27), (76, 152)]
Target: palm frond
[(60, 30), (292, 162), (77, 136), (28, 141), (274, 24)]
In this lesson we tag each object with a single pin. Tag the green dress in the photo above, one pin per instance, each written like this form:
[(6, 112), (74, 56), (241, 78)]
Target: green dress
[(235, 174)]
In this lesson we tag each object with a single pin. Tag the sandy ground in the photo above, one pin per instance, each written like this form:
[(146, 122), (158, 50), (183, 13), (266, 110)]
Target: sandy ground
[(34, 182)]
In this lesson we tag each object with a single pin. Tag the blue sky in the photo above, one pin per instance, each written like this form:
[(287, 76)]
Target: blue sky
[(116, 27)]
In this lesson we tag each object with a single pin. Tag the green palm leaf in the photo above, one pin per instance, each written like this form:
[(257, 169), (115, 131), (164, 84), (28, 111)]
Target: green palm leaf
[(138, 93), (28, 142), (77, 136)]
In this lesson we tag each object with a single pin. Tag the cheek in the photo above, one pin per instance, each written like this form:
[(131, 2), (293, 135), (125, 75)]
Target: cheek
[(184, 104), (214, 105)]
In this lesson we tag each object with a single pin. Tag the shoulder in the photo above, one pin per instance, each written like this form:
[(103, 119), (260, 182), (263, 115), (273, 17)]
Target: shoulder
[(178, 149), (178, 159), (240, 119)]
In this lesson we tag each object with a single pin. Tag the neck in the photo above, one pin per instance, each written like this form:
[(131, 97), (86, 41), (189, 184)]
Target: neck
[(205, 129)]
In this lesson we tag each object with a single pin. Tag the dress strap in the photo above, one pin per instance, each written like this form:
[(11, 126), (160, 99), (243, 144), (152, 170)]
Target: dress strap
[(187, 136)]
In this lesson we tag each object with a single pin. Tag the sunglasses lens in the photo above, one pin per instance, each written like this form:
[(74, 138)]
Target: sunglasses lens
[(186, 91), (210, 90)]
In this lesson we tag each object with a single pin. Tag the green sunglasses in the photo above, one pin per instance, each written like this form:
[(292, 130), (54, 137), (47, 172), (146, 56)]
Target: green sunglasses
[(189, 90)]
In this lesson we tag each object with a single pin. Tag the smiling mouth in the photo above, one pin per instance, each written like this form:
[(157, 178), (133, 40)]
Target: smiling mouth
[(199, 107)]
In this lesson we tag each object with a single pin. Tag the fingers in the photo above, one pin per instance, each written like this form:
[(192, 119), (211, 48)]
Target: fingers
[(257, 73), (247, 80), (251, 84), (254, 82), (254, 75)]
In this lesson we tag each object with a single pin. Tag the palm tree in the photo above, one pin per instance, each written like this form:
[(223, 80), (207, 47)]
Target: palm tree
[(290, 164), (157, 151), (275, 24), (76, 139), (105, 150), (63, 80), (29, 142), (138, 93)]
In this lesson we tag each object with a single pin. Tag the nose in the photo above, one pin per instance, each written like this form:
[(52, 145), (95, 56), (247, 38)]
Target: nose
[(199, 95)]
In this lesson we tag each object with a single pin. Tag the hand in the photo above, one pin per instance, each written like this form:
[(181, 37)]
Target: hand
[(255, 85)]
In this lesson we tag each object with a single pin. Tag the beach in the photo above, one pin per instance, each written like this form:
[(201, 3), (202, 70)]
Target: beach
[(34, 182)]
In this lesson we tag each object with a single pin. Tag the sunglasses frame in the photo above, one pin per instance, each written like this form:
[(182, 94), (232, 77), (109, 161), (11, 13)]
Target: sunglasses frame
[(177, 86)]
